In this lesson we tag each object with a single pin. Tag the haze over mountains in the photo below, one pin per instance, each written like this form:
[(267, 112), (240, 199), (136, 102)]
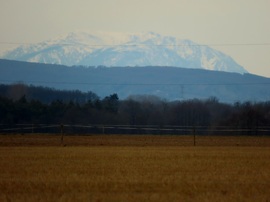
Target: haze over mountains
[(124, 50), (133, 64)]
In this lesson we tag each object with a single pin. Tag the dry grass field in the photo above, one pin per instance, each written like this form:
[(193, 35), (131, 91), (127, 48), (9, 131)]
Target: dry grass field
[(134, 168), (132, 140)]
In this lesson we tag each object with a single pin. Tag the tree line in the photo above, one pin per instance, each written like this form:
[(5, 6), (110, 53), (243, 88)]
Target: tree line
[(21, 104)]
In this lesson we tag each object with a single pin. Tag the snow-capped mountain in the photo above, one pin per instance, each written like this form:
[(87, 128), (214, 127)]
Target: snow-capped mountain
[(124, 49)]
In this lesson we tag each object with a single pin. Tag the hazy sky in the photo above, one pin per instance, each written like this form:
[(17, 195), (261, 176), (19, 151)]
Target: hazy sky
[(245, 24)]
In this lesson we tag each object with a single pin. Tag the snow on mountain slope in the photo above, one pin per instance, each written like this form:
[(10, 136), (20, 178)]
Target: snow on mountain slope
[(124, 49)]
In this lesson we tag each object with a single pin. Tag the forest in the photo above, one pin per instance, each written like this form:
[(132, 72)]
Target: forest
[(22, 104)]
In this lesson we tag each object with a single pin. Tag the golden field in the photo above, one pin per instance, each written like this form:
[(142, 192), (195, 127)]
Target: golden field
[(134, 168), (132, 140)]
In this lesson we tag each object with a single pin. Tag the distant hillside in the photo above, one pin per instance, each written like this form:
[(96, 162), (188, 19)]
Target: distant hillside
[(166, 82)]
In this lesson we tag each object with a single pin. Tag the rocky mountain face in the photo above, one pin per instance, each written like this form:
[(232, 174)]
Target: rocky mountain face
[(124, 50)]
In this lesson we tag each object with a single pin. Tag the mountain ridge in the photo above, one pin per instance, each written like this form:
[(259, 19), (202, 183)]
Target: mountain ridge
[(125, 49), (171, 83)]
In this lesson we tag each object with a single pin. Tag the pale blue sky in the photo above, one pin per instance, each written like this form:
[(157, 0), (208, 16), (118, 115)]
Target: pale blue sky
[(203, 21)]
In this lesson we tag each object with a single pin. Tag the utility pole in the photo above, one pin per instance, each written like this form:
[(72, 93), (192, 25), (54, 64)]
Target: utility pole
[(62, 134), (194, 136), (182, 91)]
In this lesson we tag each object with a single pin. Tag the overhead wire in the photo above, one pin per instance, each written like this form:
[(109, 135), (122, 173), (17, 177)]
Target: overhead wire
[(138, 84), (136, 44)]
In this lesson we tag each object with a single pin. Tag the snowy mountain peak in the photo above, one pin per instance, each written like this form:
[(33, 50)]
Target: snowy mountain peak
[(124, 49)]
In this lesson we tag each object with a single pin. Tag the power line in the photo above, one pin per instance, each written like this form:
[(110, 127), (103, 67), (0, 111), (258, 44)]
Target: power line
[(140, 84), (138, 44)]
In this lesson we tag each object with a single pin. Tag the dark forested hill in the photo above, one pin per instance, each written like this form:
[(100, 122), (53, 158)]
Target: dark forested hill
[(166, 82)]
